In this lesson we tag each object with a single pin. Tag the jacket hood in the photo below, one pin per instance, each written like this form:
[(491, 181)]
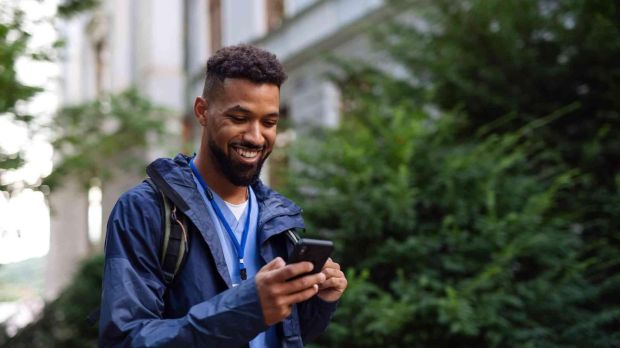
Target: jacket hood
[(174, 177)]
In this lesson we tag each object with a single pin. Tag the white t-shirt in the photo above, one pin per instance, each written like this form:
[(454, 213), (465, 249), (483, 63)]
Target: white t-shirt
[(237, 209)]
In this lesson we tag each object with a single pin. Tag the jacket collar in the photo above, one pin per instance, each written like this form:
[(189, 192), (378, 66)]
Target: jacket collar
[(174, 178)]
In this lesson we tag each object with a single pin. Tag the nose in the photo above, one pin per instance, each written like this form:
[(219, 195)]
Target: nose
[(253, 134)]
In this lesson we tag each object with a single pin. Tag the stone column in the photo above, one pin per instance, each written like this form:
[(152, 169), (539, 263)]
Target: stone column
[(126, 43), (111, 190), (69, 242)]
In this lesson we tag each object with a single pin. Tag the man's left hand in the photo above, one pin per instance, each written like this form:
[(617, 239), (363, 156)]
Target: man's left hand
[(335, 282)]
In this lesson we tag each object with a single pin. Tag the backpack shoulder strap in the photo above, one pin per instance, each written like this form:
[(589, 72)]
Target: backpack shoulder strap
[(174, 246)]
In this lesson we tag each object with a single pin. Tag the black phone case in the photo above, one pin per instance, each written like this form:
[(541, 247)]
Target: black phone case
[(314, 250)]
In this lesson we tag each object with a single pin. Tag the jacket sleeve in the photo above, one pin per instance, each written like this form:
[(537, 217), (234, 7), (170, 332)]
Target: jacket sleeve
[(314, 316), (133, 288)]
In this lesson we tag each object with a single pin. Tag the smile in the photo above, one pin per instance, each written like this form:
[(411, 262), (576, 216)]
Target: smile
[(248, 155)]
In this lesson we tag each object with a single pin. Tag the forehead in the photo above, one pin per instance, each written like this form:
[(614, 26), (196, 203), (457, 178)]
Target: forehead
[(248, 94)]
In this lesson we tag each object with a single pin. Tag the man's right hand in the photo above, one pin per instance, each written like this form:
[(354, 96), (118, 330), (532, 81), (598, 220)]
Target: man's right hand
[(277, 295)]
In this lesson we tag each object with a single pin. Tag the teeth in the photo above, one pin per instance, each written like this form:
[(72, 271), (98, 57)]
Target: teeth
[(247, 154)]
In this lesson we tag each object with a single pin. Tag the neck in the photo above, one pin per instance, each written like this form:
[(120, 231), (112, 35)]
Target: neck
[(217, 181)]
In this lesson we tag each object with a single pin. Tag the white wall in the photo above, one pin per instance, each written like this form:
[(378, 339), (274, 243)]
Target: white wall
[(293, 7), (243, 21), (313, 101), (78, 78), (162, 49), (326, 20), (121, 16), (198, 49)]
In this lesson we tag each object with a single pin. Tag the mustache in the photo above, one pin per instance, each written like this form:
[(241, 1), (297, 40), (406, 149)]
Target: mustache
[(248, 146)]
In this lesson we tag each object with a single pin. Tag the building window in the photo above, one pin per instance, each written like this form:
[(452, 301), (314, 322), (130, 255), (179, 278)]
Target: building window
[(275, 14), (97, 32), (215, 24)]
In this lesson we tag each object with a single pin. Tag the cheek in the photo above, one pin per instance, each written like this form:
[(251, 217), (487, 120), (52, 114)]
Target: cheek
[(270, 137), (222, 135)]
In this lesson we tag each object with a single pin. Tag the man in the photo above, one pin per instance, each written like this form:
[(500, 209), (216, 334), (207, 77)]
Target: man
[(233, 288)]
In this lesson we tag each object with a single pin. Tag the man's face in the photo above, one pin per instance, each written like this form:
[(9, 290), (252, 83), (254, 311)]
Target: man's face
[(241, 128)]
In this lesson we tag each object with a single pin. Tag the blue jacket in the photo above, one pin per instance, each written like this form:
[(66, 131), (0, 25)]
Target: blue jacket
[(200, 308)]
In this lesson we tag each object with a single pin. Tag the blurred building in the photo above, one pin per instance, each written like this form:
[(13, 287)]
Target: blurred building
[(161, 47)]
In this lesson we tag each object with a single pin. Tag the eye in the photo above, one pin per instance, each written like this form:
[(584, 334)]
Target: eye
[(270, 123), (237, 118)]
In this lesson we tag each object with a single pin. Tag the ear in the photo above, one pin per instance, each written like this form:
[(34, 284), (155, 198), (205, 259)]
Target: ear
[(200, 110)]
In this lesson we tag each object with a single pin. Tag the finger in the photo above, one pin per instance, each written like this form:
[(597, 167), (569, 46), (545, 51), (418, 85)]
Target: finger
[(338, 284), (332, 273), (274, 264), (290, 271), (300, 296), (302, 283), (331, 264)]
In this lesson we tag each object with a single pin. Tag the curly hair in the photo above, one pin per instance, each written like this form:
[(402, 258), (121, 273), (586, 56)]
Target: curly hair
[(242, 61)]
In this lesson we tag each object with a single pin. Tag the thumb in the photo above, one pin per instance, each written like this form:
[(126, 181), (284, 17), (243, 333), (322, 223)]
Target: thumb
[(274, 264)]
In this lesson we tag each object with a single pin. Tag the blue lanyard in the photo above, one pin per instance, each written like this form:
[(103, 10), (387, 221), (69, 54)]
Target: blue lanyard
[(239, 248)]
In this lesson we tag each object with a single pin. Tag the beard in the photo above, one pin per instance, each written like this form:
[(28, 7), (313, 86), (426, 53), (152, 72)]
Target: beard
[(239, 174)]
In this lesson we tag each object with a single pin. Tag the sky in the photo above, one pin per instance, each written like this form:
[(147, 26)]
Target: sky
[(24, 217)]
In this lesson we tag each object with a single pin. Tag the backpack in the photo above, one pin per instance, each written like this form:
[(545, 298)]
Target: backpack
[(174, 244)]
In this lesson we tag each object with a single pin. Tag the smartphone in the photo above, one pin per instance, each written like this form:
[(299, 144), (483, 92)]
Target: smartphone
[(313, 250)]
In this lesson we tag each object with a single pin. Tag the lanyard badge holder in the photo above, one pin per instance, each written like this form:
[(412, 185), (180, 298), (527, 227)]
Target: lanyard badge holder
[(239, 247)]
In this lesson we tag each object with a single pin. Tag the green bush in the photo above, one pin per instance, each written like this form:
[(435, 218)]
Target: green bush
[(447, 243), (506, 63), (63, 322), (491, 220)]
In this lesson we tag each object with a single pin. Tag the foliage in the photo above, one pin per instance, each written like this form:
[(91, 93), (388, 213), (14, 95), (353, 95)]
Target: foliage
[(14, 41), (14, 45), (109, 132), (492, 224), (457, 240), (22, 279), (62, 323), (504, 70), (70, 8)]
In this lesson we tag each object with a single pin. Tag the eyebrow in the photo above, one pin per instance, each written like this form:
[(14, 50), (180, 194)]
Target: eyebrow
[(239, 108)]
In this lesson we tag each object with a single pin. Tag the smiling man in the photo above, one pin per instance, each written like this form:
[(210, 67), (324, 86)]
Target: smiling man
[(229, 286)]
